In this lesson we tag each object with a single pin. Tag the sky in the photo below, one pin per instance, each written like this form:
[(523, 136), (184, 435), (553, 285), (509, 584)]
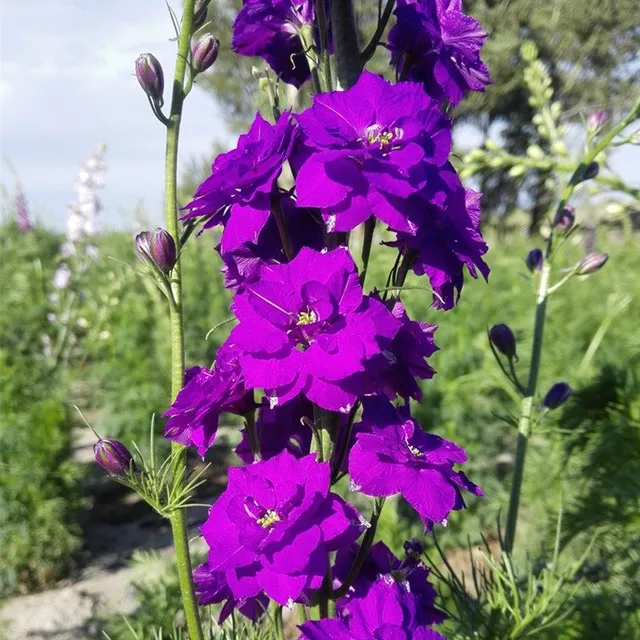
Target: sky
[(67, 85)]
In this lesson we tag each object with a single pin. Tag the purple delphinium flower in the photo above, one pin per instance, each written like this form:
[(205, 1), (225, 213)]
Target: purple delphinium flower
[(388, 611), (304, 229), (367, 149), (193, 417), (270, 29), (274, 526), (438, 45), (382, 562), (240, 192), (394, 372), (392, 455), (306, 327), (279, 429), (211, 588), (447, 238)]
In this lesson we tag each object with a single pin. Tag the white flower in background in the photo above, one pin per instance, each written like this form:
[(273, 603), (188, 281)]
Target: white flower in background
[(67, 249), (62, 277)]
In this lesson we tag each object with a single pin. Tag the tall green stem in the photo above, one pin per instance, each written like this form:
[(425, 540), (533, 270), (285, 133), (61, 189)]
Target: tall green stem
[(526, 406), (178, 517), (345, 43)]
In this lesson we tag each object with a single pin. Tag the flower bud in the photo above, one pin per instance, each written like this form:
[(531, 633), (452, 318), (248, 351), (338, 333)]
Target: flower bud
[(204, 52), (143, 246), (413, 549), (151, 77), (557, 395), (162, 249), (565, 218), (200, 11), (596, 121), (534, 260), (591, 263), (113, 457), (591, 171), (503, 340)]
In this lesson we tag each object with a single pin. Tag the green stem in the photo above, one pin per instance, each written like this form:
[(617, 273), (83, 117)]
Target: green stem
[(325, 60), (309, 47), (363, 551), (369, 228), (326, 428), (279, 623), (252, 434), (526, 407), (178, 517), (345, 43)]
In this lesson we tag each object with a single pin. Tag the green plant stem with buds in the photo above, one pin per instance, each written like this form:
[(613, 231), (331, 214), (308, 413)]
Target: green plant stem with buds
[(178, 517), (526, 407)]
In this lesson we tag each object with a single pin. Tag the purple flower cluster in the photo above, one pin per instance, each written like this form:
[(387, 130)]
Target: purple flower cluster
[(323, 371), (436, 44)]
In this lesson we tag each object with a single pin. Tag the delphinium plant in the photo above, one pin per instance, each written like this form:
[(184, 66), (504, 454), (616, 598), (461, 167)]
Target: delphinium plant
[(321, 370)]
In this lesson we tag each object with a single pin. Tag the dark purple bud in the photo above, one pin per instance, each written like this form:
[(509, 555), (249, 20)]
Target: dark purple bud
[(596, 121), (413, 549), (143, 246), (557, 395), (151, 77), (565, 218), (591, 171), (591, 263), (113, 457), (204, 52), (162, 249), (200, 14), (503, 340), (534, 260)]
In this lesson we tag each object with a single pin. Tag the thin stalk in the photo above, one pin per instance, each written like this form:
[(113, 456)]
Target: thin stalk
[(252, 434), (345, 43), (279, 624), (276, 208), (178, 517), (363, 551), (369, 228), (383, 20), (325, 60), (526, 406), (309, 47), (326, 429)]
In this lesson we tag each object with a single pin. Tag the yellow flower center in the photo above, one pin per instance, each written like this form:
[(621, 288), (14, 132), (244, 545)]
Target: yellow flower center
[(415, 451), (307, 317), (269, 519), (384, 138)]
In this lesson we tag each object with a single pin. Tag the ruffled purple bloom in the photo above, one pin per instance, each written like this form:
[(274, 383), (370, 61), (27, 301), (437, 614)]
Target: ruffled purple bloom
[(211, 588), (387, 612), (438, 45), (306, 327), (394, 372), (274, 526), (410, 572), (240, 192), (304, 229), (367, 149), (193, 417), (447, 238), (392, 455), (270, 29), (280, 429)]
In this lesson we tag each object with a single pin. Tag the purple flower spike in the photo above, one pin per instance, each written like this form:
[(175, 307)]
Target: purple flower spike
[(270, 29), (274, 526), (193, 417), (367, 149), (240, 192), (387, 612), (393, 455), (440, 47), (305, 327), (280, 429)]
